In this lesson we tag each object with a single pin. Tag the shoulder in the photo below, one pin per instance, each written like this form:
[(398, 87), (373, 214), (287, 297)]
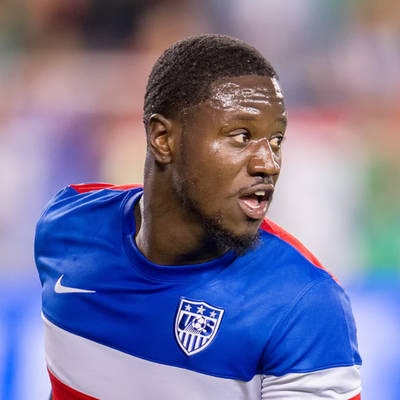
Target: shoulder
[(79, 209), (315, 329), (313, 347), (82, 197), (293, 246), (281, 268)]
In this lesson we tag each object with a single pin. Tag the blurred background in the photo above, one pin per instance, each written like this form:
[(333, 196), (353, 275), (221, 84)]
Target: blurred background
[(72, 80)]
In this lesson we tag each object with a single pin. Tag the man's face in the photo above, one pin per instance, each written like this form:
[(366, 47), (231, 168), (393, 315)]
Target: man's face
[(230, 158)]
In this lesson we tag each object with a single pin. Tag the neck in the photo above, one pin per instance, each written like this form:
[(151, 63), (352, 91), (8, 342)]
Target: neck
[(166, 233)]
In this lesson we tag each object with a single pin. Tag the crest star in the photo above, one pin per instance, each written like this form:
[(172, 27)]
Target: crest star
[(200, 310), (188, 307), (212, 314)]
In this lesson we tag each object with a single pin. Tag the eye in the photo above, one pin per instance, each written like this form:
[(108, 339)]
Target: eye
[(240, 137), (276, 142)]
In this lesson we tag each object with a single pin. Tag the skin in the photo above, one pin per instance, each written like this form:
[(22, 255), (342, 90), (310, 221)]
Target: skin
[(199, 167)]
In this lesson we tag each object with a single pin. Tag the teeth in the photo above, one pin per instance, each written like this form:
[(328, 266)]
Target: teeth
[(260, 193)]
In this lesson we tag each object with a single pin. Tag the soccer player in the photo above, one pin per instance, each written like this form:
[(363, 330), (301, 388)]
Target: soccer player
[(182, 289)]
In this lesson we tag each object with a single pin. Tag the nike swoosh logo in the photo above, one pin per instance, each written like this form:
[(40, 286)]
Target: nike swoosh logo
[(59, 288)]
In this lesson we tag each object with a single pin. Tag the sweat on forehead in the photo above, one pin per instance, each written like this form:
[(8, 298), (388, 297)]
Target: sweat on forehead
[(230, 94), (182, 76)]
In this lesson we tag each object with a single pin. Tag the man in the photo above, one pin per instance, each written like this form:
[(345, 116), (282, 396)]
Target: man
[(182, 289)]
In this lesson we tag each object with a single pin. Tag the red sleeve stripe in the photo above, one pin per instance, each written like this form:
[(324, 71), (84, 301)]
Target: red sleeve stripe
[(61, 391), (276, 230), (358, 397), (90, 187)]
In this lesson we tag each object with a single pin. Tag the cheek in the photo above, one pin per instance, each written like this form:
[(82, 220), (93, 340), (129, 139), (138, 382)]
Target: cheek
[(211, 168), (217, 160), (222, 172), (205, 172), (223, 164), (204, 161)]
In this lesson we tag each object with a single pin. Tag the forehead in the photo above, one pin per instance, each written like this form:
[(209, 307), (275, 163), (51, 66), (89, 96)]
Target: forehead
[(251, 94)]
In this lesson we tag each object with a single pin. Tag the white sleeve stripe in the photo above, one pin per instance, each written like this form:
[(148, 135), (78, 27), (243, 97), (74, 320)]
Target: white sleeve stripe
[(341, 383)]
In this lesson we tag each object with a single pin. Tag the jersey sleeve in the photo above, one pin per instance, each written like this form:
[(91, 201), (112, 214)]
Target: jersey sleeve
[(313, 353), (48, 235)]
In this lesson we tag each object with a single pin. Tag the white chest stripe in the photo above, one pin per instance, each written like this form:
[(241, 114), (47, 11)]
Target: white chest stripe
[(109, 374)]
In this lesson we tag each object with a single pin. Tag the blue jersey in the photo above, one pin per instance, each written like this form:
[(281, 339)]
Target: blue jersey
[(270, 324)]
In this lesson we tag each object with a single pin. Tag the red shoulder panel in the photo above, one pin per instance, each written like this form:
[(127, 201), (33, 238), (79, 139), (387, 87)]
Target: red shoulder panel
[(60, 391), (90, 187), (276, 230), (358, 397)]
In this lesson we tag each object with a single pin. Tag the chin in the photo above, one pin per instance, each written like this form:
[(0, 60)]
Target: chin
[(240, 241), (240, 244)]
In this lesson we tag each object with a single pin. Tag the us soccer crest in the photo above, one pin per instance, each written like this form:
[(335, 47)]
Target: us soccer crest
[(196, 324)]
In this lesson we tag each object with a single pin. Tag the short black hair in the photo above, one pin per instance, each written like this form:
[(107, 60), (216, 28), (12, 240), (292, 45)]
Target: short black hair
[(182, 75)]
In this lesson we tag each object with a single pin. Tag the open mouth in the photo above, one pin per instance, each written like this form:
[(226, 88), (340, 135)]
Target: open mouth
[(255, 202)]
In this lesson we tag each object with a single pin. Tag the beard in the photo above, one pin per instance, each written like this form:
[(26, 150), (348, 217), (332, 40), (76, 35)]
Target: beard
[(216, 234), (222, 238)]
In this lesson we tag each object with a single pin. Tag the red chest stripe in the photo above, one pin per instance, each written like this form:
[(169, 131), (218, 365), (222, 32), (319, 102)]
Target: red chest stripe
[(60, 391)]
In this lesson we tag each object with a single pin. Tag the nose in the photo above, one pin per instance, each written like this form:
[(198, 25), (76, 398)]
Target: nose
[(263, 160)]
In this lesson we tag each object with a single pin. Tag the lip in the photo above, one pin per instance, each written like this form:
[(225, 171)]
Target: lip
[(250, 190), (253, 209)]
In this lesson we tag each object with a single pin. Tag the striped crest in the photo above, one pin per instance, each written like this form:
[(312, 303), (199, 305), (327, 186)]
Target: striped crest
[(196, 324)]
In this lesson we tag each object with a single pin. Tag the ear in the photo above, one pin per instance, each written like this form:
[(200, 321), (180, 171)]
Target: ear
[(161, 141)]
